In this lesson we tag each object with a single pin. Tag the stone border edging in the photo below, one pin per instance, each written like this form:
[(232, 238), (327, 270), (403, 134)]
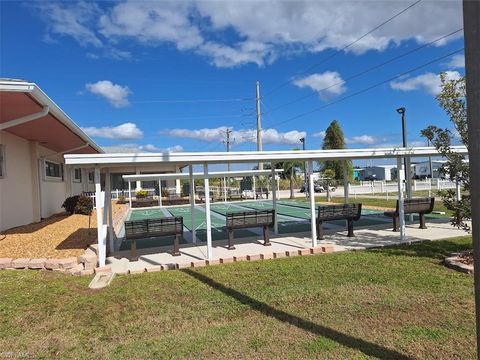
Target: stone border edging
[(83, 265), (453, 262)]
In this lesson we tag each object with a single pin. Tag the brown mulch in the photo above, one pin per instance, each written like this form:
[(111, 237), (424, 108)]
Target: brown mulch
[(59, 236)]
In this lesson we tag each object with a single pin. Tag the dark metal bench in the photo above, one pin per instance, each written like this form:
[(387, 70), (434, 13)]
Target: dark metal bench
[(151, 228), (349, 212), (420, 206), (250, 219)]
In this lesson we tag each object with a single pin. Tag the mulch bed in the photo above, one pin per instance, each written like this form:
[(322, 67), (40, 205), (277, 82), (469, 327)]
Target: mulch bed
[(59, 236)]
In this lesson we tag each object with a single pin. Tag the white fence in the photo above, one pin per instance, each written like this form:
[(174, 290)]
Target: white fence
[(383, 187)]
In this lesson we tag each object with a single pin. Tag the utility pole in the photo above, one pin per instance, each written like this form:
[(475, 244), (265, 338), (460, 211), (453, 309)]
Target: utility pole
[(302, 140), (259, 125), (228, 143), (430, 163), (471, 26)]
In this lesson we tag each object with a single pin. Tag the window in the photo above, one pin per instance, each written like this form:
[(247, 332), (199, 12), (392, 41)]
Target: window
[(53, 170), (91, 177), (2, 161), (77, 175)]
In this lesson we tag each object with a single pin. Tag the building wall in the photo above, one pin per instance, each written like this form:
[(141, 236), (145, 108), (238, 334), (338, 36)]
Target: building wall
[(16, 192), (26, 195)]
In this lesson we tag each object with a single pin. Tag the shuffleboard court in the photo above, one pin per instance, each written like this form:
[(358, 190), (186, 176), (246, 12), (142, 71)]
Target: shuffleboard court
[(219, 231), (146, 214)]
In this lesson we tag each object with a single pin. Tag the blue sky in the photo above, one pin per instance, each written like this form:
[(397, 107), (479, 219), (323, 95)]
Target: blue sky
[(150, 76)]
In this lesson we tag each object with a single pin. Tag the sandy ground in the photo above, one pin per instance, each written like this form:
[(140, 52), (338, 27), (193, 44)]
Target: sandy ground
[(59, 236)]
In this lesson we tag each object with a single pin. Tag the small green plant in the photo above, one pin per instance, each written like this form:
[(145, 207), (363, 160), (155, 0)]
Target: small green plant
[(121, 199), (141, 194), (165, 193)]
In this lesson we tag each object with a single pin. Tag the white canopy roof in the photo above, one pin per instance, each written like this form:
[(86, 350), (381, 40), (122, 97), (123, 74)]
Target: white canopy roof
[(210, 175), (111, 160)]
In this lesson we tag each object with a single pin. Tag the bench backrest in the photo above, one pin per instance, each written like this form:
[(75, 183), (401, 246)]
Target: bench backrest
[(339, 212), (140, 229), (419, 205), (252, 218)]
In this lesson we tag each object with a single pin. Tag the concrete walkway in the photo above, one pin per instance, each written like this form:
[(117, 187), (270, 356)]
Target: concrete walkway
[(156, 259)]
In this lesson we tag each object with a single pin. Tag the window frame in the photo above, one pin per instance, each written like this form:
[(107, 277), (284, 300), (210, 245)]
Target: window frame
[(47, 177), (74, 177), (3, 162), (91, 177)]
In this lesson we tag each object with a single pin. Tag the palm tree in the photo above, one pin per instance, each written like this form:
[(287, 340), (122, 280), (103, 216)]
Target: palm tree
[(290, 169)]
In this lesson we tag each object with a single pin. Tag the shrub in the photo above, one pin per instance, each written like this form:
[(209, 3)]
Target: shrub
[(78, 204), (121, 199), (70, 203), (141, 193), (84, 205)]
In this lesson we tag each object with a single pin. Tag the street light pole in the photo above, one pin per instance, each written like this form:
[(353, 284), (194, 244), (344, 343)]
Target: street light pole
[(406, 160), (302, 140)]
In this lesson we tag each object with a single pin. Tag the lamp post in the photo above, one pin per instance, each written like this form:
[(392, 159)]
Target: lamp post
[(302, 140), (406, 162)]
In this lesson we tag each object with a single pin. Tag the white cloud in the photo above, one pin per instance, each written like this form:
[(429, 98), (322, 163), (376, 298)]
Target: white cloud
[(116, 95), (320, 134), (126, 131), (135, 148), (327, 84), (261, 30), (269, 136), (428, 82), (457, 62), (362, 139)]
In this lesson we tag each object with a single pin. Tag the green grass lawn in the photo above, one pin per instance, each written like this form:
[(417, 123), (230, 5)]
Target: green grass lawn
[(394, 303)]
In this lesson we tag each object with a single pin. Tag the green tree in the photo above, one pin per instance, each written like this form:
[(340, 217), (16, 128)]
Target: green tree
[(452, 100), (334, 139), (290, 169)]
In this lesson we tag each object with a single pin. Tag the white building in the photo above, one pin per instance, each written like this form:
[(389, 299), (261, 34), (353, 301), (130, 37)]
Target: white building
[(380, 172), (422, 169), (35, 134)]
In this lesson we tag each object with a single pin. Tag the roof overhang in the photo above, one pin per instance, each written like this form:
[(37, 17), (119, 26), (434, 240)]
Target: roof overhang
[(194, 158), (53, 129), (209, 175)]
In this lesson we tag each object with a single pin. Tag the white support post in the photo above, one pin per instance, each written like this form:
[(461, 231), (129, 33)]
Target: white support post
[(208, 220), (458, 191), (160, 193), (254, 188), (192, 202), (100, 228), (345, 183), (225, 189), (108, 207), (274, 198), (130, 194), (311, 188), (401, 209)]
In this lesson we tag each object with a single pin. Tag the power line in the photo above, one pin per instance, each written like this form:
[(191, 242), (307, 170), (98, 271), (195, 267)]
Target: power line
[(366, 71), (368, 88), (192, 100), (328, 58)]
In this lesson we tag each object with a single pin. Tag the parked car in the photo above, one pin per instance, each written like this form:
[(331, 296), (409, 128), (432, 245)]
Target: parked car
[(317, 188)]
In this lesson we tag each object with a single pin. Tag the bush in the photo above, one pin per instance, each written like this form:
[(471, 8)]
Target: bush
[(70, 203), (84, 205), (78, 204), (141, 194), (121, 199)]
